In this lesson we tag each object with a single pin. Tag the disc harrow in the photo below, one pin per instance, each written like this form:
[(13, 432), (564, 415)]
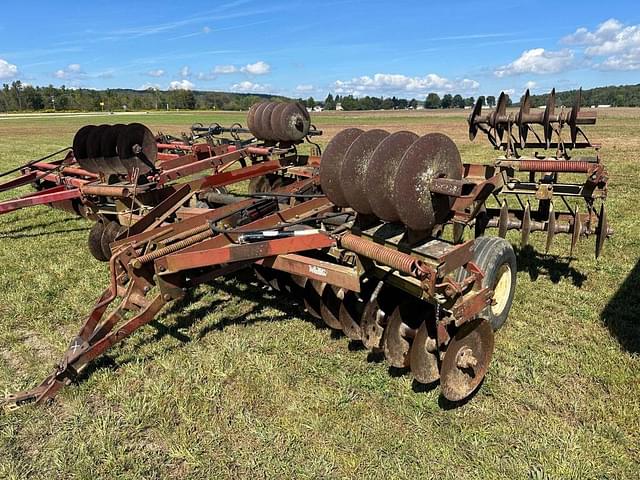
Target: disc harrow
[(431, 306), (533, 197), (115, 174)]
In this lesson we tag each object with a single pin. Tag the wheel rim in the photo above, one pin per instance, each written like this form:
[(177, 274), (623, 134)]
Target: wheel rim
[(502, 289)]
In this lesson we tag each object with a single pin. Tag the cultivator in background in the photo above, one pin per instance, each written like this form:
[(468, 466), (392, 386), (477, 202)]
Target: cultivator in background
[(533, 199), (359, 241), (117, 173)]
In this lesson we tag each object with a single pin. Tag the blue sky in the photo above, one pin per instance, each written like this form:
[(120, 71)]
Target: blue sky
[(303, 48)]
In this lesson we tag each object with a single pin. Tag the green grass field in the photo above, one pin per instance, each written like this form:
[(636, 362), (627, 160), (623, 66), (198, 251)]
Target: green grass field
[(236, 381)]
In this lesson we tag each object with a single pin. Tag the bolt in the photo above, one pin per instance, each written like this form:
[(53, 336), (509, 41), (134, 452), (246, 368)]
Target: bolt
[(167, 297), (466, 359)]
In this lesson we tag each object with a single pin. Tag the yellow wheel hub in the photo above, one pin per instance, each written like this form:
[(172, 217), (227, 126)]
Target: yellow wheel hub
[(501, 289)]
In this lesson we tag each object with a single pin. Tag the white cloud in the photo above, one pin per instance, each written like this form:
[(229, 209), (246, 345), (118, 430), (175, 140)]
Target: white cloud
[(7, 70), (185, 72), (304, 88), (386, 83), (530, 85), (538, 61), (206, 30), (225, 69), (181, 85), (258, 68), (72, 70), (156, 73), (582, 36), (619, 44), (249, 87)]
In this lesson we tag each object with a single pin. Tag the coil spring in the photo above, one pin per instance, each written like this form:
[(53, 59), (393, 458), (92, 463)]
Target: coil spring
[(149, 257), (554, 166), (386, 256)]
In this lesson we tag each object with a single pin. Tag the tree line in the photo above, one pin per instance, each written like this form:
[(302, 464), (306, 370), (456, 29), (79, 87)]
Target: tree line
[(16, 97), (616, 96)]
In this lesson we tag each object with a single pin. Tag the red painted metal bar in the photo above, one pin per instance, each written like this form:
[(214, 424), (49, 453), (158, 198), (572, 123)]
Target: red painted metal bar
[(193, 167), (65, 170), (182, 260), (174, 146), (233, 176), (211, 215), (50, 195), (64, 180), (25, 179), (331, 273), (250, 251)]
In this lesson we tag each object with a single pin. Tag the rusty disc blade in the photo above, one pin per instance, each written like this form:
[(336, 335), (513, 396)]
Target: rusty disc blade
[(431, 156), (80, 148), (94, 149), (278, 134), (475, 114), (355, 165), (525, 108), (372, 324), (137, 148), (312, 296), (331, 164), (256, 119), (109, 147), (401, 329), (350, 313), (109, 234), (95, 242), (330, 307), (602, 230), (294, 122), (375, 314), (267, 276), (423, 356), (467, 359), (381, 173), (263, 122), (251, 117)]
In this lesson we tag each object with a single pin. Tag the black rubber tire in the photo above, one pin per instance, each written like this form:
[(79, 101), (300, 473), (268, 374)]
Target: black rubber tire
[(259, 185), (111, 231), (490, 254), (95, 237)]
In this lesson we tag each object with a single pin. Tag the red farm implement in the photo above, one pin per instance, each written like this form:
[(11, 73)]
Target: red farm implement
[(360, 237)]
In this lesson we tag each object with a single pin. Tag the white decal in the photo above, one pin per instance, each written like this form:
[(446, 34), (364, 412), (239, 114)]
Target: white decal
[(321, 272)]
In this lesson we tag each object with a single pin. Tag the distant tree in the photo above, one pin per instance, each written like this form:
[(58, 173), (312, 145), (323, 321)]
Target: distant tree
[(432, 101), (509, 102), (458, 101), (469, 102), (413, 103), (311, 102), (329, 103), (349, 103), (388, 104), (491, 101), (447, 101)]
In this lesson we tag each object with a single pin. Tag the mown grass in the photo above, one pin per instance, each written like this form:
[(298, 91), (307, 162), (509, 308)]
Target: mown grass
[(235, 381)]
